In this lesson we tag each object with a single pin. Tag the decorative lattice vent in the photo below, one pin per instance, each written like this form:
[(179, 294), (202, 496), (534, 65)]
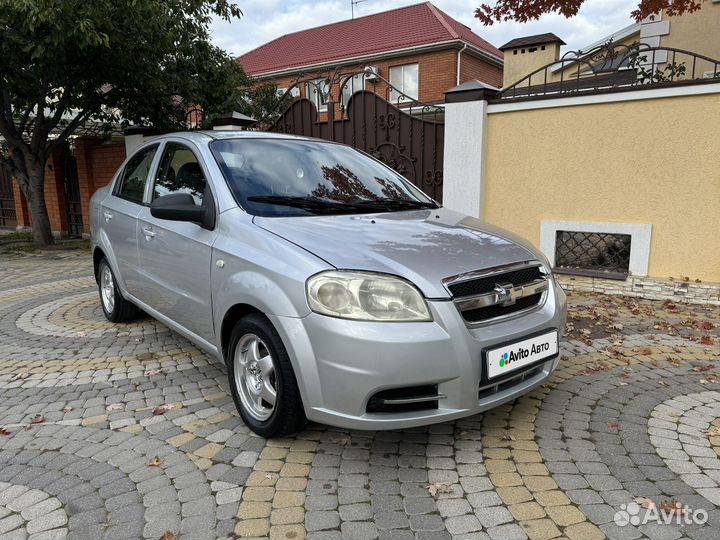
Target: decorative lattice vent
[(592, 254)]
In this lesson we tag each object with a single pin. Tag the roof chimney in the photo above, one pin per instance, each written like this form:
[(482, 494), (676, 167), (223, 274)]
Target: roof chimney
[(525, 55)]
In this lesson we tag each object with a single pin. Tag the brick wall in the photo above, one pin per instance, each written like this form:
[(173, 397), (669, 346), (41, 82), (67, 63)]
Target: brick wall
[(437, 73), (97, 162), (472, 68)]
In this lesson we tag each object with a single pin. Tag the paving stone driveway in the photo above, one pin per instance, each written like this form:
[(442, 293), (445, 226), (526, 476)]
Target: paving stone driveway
[(633, 412)]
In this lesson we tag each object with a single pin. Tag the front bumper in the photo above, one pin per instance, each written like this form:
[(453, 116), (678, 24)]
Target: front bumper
[(341, 364)]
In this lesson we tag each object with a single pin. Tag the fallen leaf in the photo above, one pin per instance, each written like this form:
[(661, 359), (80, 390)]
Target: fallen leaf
[(702, 369), (612, 425), (697, 280), (616, 326), (645, 351), (152, 372), (4, 431), (508, 436), (672, 507), (37, 419), (21, 376), (154, 462), (707, 326), (269, 476), (115, 407), (67, 409), (706, 340), (439, 487), (644, 502), (157, 411), (342, 441), (167, 536)]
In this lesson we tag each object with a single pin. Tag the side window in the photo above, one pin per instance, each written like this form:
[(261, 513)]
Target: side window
[(135, 175), (179, 172)]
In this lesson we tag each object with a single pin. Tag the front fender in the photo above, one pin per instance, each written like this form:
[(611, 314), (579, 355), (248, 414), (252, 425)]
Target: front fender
[(257, 290)]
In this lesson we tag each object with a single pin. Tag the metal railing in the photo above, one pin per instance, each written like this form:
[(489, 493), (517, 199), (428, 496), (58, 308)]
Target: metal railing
[(613, 67)]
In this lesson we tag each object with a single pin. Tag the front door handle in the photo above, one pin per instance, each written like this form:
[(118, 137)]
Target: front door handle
[(108, 216), (149, 233)]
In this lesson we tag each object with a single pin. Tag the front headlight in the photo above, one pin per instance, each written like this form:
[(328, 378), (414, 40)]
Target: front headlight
[(366, 296)]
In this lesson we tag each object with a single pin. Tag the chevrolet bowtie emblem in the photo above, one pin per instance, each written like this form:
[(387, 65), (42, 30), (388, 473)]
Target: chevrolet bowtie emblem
[(505, 294)]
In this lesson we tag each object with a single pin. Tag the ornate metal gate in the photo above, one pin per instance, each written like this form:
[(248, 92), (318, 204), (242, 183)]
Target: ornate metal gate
[(71, 186), (347, 108), (8, 217)]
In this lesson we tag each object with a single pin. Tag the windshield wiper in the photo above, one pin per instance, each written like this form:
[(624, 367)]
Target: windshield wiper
[(395, 204), (311, 204), (316, 205)]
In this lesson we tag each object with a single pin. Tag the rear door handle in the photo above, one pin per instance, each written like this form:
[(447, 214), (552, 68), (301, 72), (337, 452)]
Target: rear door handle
[(108, 216), (149, 233)]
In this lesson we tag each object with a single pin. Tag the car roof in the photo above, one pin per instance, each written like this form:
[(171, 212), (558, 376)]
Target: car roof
[(206, 136)]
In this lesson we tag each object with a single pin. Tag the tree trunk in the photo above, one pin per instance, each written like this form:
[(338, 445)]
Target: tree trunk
[(42, 233)]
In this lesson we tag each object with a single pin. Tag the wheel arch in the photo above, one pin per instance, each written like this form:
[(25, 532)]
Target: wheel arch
[(230, 319), (98, 255)]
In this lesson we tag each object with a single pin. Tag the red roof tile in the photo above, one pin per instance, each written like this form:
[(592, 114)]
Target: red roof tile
[(411, 26)]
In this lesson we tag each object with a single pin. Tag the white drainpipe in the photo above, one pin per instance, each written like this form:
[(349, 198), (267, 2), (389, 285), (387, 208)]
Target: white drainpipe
[(457, 81)]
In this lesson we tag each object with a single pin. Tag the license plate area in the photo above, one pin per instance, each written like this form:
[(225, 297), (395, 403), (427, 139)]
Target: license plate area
[(508, 358)]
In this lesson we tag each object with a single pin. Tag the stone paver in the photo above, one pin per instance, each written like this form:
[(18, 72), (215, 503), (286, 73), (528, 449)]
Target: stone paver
[(633, 412)]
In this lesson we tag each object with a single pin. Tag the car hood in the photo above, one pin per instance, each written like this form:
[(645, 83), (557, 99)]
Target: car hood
[(423, 246)]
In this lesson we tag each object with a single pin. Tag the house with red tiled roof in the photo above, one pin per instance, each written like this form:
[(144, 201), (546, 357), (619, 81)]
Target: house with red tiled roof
[(419, 49)]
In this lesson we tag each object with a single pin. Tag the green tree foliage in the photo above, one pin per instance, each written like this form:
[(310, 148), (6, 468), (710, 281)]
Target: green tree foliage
[(69, 66)]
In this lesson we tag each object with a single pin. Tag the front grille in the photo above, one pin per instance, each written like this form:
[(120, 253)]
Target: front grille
[(490, 312), (479, 299), (487, 283)]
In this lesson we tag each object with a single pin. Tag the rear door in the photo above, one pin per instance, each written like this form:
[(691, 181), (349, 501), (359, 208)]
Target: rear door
[(119, 212), (175, 256)]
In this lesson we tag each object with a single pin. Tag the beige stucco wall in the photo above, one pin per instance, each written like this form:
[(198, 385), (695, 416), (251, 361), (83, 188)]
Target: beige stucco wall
[(650, 161), (697, 32)]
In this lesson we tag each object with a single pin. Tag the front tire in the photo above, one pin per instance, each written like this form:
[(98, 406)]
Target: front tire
[(262, 380), (115, 307)]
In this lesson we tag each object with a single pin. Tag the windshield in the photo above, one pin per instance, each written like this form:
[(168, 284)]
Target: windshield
[(283, 177)]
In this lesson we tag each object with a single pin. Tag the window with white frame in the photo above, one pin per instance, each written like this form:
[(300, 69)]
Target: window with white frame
[(406, 80), (350, 85), (315, 91)]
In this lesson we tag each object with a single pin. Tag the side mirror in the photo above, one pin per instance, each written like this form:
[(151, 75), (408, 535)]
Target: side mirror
[(181, 207)]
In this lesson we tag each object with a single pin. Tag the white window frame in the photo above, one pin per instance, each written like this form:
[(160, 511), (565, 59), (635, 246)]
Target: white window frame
[(313, 94), (394, 95)]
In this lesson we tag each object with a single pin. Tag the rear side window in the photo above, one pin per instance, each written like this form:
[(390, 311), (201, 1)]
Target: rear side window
[(179, 172), (135, 175)]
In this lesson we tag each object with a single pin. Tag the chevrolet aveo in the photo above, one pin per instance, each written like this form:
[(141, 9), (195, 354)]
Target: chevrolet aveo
[(332, 288)]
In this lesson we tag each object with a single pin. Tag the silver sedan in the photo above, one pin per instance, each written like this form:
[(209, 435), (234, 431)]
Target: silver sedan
[(333, 289)]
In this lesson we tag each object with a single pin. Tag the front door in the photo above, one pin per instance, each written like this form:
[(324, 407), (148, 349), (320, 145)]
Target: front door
[(175, 256), (71, 185), (119, 214), (8, 218)]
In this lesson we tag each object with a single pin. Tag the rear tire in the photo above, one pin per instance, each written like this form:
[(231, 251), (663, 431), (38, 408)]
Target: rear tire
[(262, 380), (114, 306)]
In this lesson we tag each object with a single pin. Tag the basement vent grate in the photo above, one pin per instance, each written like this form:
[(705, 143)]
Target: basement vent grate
[(592, 254)]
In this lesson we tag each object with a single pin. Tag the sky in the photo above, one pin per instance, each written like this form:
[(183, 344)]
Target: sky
[(264, 20)]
